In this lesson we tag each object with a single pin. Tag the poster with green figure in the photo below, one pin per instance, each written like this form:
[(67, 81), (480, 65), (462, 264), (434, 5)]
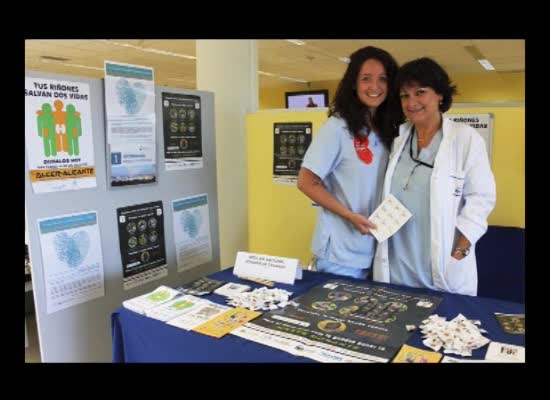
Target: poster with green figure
[(46, 129), (58, 135), (74, 130)]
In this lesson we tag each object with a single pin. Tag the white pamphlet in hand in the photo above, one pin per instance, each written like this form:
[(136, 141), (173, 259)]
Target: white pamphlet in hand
[(389, 217)]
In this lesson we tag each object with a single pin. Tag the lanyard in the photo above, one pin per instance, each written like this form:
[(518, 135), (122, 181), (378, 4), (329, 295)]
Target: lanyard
[(411, 151)]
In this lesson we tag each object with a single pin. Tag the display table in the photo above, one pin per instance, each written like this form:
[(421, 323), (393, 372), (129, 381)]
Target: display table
[(137, 338)]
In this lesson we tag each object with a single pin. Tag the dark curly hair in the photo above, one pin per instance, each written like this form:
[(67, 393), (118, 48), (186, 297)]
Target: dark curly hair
[(347, 105), (426, 72)]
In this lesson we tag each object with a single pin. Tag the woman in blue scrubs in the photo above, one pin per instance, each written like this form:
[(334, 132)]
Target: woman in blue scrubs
[(343, 168)]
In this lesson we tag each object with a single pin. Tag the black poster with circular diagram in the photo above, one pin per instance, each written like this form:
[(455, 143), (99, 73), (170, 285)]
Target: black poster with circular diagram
[(181, 119), (141, 238), (290, 143)]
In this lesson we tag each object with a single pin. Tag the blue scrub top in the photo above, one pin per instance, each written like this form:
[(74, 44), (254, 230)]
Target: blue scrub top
[(409, 248), (356, 184)]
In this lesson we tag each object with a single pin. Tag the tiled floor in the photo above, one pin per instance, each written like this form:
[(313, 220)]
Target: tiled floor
[(32, 352)]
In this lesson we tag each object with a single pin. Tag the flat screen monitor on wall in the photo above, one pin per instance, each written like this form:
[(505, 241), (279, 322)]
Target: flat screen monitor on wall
[(310, 98)]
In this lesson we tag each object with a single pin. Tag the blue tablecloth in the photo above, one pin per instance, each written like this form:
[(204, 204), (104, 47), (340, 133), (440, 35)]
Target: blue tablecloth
[(137, 338)]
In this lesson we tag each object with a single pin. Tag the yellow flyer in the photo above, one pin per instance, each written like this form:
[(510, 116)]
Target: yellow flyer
[(226, 322), (409, 354)]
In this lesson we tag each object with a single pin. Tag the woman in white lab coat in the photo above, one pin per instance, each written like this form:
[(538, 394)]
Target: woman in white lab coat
[(440, 171)]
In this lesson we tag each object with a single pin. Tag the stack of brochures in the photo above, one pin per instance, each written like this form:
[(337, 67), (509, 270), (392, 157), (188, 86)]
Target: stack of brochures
[(160, 295), (174, 308)]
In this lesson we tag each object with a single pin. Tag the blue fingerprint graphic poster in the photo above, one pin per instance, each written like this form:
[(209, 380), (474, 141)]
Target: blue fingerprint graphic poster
[(141, 239), (72, 259), (130, 113), (192, 231)]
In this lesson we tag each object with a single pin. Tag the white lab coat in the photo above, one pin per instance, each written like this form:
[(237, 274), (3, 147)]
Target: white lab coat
[(462, 194)]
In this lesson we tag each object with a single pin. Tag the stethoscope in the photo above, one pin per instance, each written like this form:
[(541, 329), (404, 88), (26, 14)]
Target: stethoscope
[(417, 161)]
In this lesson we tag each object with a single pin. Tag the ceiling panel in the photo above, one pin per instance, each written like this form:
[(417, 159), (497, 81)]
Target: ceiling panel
[(186, 47), (315, 61)]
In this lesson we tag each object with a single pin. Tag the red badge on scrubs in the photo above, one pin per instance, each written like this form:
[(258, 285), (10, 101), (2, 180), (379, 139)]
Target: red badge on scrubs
[(361, 145)]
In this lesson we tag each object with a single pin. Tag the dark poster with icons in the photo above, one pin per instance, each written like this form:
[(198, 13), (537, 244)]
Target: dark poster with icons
[(290, 143), (181, 119), (141, 238), (342, 321)]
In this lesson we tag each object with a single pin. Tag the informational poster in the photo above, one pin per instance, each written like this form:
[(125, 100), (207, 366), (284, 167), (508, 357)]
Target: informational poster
[(72, 259), (290, 143), (58, 135), (342, 321), (192, 231), (181, 117), (130, 113), (482, 123), (141, 237)]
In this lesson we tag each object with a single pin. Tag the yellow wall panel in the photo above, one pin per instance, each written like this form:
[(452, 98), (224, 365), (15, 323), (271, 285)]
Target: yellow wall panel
[(281, 218), (507, 162)]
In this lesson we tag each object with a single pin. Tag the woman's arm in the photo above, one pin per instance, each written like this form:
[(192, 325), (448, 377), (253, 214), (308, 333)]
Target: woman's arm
[(479, 194), (312, 186)]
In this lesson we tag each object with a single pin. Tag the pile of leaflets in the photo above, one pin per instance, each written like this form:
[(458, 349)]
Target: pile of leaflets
[(231, 289), (143, 303), (201, 286), (459, 336), (260, 299), (204, 311), (174, 308)]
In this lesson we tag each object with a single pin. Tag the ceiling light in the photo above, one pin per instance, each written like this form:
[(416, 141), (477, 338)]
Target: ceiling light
[(475, 53), (149, 49), (297, 42), (53, 59), (282, 77), (83, 66), (344, 59), (486, 64), (292, 79), (167, 53)]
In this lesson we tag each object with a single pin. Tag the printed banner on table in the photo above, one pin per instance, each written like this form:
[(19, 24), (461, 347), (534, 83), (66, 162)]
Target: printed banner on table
[(342, 321), (72, 259), (141, 237), (130, 113), (482, 123), (192, 231), (290, 143), (181, 116), (58, 135)]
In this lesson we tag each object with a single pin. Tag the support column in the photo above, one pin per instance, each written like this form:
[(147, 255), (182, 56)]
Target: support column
[(228, 68)]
